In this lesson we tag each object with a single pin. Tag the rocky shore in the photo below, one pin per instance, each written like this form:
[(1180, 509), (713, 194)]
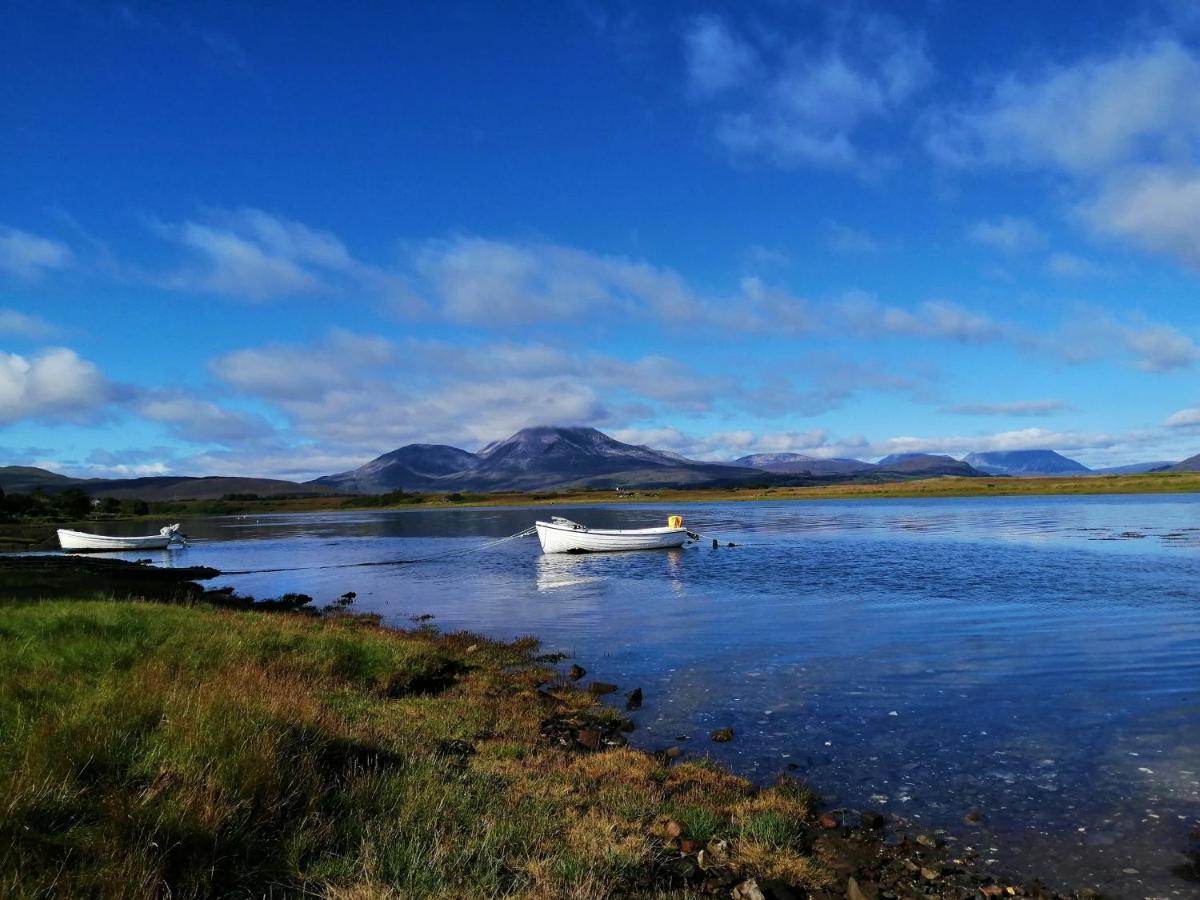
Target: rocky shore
[(522, 735)]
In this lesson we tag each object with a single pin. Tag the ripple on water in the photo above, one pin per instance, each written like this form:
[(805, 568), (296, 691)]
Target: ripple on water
[(1037, 659)]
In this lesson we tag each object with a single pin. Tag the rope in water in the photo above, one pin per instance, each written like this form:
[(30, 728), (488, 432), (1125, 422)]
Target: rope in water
[(396, 562), (716, 542)]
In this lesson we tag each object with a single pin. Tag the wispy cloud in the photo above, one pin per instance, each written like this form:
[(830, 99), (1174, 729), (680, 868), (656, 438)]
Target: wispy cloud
[(1068, 265), (197, 420), (1184, 418), (863, 315), (1150, 346), (21, 324), (794, 100), (844, 239), (1123, 127), (1010, 234), (254, 255), (30, 256), (717, 58), (1015, 408)]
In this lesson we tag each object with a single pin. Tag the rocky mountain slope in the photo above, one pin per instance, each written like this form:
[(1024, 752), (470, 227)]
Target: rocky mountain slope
[(926, 465), (1025, 462), (799, 464)]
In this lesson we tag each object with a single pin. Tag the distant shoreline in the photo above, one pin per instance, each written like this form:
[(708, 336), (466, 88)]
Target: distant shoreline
[(40, 535)]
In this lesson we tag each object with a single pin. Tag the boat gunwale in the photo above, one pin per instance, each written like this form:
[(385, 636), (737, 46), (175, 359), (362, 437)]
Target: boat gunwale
[(660, 530)]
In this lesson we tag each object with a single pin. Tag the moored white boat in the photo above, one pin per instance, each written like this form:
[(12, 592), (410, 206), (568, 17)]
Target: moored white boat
[(81, 540), (561, 535)]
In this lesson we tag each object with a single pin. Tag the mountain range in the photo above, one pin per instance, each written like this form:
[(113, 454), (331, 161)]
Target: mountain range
[(549, 457)]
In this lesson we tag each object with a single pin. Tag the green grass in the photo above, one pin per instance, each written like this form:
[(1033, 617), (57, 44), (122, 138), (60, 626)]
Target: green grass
[(155, 750)]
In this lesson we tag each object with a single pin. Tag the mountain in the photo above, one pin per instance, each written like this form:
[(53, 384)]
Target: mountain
[(547, 456), (1191, 464), (799, 464), (893, 458), (925, 464), (1025, 462), (413, 467), (533, 459), (1135, 468)]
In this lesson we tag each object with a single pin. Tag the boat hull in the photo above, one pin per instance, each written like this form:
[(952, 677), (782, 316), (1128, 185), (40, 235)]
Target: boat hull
[(80, 541), (556, 538)]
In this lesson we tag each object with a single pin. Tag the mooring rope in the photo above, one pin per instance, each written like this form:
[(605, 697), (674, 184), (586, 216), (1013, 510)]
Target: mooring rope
[(698, 536), (394, 562)]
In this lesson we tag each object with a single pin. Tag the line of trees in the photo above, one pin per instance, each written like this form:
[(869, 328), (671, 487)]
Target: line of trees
[(73, 503)]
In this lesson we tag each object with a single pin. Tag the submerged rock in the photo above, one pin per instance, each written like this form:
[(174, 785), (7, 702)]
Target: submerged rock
[(871, 819), (633, 700), (599, 688), (722, 735)]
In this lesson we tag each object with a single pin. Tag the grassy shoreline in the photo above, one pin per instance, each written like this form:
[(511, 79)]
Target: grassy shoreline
[(154, 748)]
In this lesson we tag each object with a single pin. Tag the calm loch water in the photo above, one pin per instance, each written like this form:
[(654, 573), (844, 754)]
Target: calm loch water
[(1036, 659)]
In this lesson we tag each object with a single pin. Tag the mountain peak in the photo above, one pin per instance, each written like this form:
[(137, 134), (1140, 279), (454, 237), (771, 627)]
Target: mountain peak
[(1025, 462), (540, 445)]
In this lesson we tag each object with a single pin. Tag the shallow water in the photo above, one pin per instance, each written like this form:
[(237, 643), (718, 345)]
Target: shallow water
[(1035, 658)]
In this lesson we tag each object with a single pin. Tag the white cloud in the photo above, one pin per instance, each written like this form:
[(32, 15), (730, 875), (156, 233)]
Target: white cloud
[(202, 421), (254, 255), (1082, 118), (844, 239), (727, 445), (1184, 418), (1020, 439), (291, 371), (1068, 265), (1124, 128), (1149, 346), (865, 316), (55, 385), (1016, 408), (1010, 234), (24, 325), (30, 256), (1154, 208), (806, 104), (717, 59)]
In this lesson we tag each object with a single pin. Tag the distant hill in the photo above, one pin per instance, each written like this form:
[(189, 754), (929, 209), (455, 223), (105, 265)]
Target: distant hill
[(925, 464), (1191, 464), (1135, 468), (23, 479), (1025, 463), (414, 467), (212, 487), (799, 464)]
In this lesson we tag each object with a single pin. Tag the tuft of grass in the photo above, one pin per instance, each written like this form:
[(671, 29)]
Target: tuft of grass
[(189, 751)]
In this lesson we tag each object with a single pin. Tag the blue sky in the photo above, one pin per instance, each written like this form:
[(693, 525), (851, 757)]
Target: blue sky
[(281, 239)]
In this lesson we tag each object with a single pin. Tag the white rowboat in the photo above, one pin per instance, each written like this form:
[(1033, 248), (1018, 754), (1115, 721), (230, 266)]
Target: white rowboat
[(561, 535), (81, 540)]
